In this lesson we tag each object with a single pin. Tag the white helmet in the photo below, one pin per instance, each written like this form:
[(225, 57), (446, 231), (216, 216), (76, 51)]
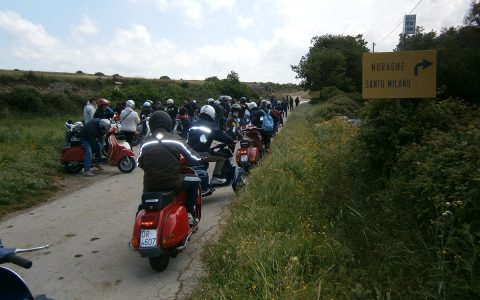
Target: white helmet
[(104, 125), (130, 103), (216, 102), (209, 110), (252, 105), (170, 101), (210, 100), (194, 101), (146, 104)]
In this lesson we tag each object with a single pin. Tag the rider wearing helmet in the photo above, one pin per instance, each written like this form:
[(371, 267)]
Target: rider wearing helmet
[(144, 113), (91, 135), (192, 108), (201, 135), (159, 158), (233, 124), (128, 121), (172, 110), (103, 109)]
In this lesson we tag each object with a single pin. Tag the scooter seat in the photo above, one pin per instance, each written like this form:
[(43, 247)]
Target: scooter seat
[(157, 200)]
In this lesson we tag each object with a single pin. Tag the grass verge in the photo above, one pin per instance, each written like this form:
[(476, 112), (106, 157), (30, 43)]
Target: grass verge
[(29, 159), (277, 243)]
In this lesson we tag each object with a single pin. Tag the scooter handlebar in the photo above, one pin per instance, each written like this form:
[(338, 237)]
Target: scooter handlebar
[(19, 261)]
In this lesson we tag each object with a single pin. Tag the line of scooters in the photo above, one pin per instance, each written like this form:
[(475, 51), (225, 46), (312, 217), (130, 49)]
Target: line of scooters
[(161, 228)]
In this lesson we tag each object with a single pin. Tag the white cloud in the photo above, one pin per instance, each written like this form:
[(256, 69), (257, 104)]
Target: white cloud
[(193, 11), (244, 22), (86, 28), (214, 5), (162, 5), (25, 32)]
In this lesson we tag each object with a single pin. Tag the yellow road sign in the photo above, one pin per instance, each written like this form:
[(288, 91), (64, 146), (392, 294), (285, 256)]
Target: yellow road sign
[(404, 74)]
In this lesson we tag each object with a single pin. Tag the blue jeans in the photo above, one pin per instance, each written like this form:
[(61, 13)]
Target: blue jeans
[(87, 162)]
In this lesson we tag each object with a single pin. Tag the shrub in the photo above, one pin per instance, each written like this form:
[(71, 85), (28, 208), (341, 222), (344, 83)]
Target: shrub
[(24, 99)]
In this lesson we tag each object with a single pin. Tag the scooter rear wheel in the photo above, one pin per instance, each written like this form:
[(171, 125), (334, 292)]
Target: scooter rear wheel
[(73, 167), (159, 263)]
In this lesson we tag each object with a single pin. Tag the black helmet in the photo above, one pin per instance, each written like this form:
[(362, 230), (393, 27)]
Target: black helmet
[(160, 119)]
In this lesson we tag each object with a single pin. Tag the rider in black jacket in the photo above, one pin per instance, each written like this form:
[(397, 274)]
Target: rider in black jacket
[(159, 158), (201, 135)]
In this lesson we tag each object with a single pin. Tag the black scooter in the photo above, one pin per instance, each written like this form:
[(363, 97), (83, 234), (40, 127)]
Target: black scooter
[(12, 286), (234, 175)]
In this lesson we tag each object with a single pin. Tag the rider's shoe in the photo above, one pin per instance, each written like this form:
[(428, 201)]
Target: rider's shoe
[(217, 180), (88, 173)]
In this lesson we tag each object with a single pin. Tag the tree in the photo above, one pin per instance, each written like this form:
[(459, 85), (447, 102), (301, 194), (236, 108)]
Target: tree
[(332, 60), (233, 76), (458, 59), (212, 78), (473, 16), (164, 77)]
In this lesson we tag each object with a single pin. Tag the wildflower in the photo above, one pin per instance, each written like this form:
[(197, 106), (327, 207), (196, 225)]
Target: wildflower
[(447, 213), (447, 204), (294, 259)]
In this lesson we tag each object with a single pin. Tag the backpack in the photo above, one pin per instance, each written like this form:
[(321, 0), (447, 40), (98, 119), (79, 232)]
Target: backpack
[(267, 123)]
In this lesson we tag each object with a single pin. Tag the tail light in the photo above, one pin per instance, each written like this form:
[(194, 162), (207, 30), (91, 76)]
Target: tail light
[(149, 221), (243, 151), (134, 243)]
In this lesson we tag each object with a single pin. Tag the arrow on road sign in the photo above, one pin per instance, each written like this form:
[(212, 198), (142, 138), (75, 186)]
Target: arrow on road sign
[(425, 64)]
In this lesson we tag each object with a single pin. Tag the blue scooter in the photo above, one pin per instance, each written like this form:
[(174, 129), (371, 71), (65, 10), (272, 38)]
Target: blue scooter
[(12, 286), (234, 175)]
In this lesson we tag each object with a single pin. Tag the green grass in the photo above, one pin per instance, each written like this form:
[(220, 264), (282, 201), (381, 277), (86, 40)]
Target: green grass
[(30, 149), (277, 244)]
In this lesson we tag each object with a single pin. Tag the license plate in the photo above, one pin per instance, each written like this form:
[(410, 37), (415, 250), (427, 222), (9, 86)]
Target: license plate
[(244, 158), (148, 238)]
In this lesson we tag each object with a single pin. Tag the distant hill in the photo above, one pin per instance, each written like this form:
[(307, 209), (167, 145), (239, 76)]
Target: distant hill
[(61, 92)]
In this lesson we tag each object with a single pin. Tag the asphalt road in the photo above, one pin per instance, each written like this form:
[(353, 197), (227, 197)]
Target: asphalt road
[(88, 231)]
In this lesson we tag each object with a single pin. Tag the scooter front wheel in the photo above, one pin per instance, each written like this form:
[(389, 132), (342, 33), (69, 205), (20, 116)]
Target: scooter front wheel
[(126, 164), (159, 263)]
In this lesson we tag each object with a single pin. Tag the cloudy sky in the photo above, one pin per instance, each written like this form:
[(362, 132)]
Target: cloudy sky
[(195, 39)]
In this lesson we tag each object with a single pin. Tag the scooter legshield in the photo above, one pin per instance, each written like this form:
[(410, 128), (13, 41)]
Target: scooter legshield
[(12, 285), (117, 154)]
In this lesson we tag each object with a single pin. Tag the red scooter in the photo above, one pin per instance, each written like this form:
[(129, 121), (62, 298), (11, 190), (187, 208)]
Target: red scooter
[(251, 148), (161, 228), (74, 154)]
